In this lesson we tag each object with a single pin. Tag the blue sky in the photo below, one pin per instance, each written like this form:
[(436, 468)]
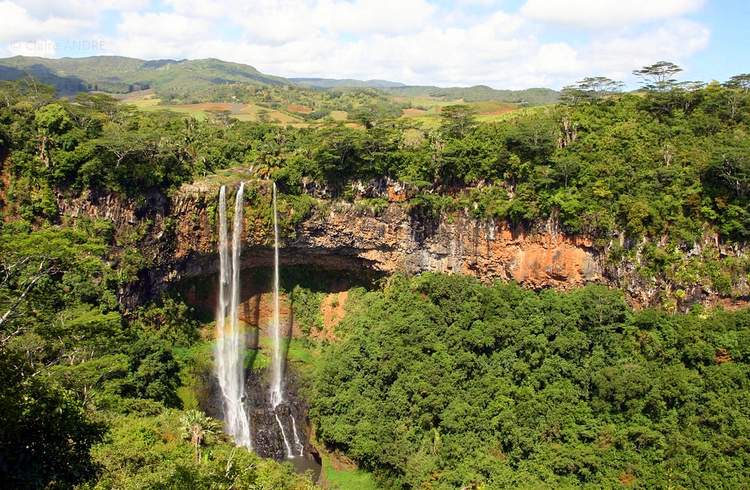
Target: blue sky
[(503, 43)]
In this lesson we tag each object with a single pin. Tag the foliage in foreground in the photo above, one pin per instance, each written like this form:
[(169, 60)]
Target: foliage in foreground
[(91, 393), (154, 453), (441, 382)]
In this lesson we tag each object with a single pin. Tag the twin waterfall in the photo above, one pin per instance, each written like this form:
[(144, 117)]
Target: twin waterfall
[(230, 341), (230, 337)]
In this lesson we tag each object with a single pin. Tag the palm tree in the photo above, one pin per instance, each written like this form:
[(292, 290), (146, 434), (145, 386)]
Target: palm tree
[(195, 427)]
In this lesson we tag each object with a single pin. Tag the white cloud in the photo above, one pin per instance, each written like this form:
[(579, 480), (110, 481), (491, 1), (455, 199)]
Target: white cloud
[(169, 27), (606, 13), (675, 41), (369, 16), (80, 9), (17, 24), (279, 21), (414, 41), (159, 35)]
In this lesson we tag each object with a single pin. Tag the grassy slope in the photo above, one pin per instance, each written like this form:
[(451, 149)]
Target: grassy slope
[(345, 83), (146, 100), (478, 93), (425, 110), (117, 74), (354, 479)]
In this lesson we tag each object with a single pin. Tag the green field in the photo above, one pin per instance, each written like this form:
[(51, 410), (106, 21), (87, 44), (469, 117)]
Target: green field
[(419, 108), (347, 479)]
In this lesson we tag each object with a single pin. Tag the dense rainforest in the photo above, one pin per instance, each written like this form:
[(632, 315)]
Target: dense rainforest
[(657, 163), (441, 382), (436, 381)]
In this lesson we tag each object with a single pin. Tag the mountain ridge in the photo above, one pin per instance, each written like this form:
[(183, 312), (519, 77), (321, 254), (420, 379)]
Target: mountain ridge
[(120, 74), (203, 78)]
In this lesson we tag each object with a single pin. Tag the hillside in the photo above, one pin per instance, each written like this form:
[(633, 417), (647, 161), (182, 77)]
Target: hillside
[(345, 83), (478, 93), (213, 80), (117, 74)]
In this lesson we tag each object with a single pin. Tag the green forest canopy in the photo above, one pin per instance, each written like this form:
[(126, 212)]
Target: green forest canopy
[(443, 381), (663, 162)]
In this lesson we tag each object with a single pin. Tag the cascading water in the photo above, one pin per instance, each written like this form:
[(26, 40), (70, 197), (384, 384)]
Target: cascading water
[(277, 375), (257, 415), (277, 394), (289, 453), (230, 346), (297, 442)]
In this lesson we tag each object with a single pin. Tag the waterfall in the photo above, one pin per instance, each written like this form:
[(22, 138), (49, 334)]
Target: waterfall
[(277, 394), (297, 442), (230, 345), (289, 453)]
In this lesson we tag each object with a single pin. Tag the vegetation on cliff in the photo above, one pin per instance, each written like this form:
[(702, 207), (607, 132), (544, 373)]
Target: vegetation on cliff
[(441, 382), (658, 178), (660, 163)]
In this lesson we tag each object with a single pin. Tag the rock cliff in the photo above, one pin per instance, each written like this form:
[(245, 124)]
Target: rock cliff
[(176, 236)]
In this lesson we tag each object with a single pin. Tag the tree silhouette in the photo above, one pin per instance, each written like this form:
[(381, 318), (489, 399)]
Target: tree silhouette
[(659, 76)]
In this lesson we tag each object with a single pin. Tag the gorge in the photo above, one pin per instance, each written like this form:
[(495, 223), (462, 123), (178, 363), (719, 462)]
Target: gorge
[(342, 238), (554, 297)]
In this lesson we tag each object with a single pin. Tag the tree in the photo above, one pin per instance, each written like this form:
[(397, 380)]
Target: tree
[(739, 87), (659, 76), (730, 165), (33, 268), (741, 82), (155, 373), (458, 120), (365, 115), (590, 89), (195, 427), (52, 121), (45, 435)]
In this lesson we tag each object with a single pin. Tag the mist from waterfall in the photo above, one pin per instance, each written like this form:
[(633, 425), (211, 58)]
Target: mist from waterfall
[(277, 394), (230, 344)]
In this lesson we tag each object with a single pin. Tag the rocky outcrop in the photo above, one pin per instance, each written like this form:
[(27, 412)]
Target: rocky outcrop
[(177, 237), (396, 241)]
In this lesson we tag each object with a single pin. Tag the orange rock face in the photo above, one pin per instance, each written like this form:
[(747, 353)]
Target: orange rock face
[(177, 236), (393, 242), (536, 260), (181, 242), (396, 194)]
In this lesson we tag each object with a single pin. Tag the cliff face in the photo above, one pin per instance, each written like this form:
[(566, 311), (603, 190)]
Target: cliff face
[(177, 237), (395, 241)]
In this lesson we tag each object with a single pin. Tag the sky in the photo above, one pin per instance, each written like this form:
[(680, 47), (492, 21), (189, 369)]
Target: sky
[(504, 44)]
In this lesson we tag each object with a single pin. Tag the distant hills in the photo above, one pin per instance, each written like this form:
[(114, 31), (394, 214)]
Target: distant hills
[(213, 79), (118, 74), (477, 93), (345, 83)]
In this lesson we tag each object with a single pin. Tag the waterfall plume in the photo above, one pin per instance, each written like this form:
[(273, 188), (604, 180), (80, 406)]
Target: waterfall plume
[(277, 393), (289, 453), (230, 344)]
